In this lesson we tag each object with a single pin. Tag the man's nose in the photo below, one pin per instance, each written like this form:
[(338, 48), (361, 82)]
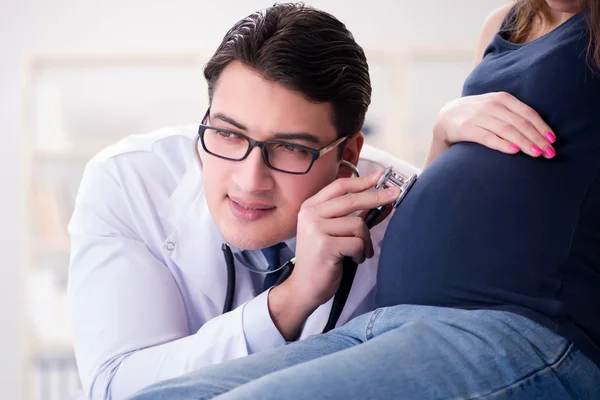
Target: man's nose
[(252, 174)]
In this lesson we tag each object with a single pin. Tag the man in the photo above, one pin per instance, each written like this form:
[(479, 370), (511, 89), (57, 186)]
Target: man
[(488, 284), (158, 215)]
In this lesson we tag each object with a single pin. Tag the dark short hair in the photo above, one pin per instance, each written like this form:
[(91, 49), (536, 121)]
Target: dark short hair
[(305, 50)]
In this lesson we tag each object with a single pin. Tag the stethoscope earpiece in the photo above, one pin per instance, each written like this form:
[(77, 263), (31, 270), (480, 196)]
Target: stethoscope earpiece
[(352, 168)]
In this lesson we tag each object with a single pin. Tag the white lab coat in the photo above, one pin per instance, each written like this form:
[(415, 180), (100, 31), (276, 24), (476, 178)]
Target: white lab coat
[(147, 277)]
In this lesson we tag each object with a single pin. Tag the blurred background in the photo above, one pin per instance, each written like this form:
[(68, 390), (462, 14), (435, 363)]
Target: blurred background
[(76, 76)]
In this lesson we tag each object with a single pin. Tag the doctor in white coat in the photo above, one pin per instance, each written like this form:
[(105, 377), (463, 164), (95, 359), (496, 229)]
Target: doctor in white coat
[(148, 275)]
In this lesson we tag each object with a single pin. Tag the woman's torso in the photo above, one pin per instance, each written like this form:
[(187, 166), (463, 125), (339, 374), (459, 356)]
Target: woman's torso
[(483, 229)]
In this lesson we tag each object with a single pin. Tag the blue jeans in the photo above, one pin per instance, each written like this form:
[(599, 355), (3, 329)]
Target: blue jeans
[(404, 352)]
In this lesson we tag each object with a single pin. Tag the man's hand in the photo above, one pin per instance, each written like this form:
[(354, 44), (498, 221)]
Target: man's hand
[(326, 234)]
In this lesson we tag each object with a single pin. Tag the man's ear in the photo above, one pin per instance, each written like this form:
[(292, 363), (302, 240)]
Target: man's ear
[(351, 154)]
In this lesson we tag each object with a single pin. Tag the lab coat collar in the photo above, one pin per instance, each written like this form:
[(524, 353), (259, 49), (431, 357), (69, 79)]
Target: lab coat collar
[(187, 194), (195, 243)]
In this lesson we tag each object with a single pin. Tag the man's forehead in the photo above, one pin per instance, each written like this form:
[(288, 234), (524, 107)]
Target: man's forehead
[(252, 103)]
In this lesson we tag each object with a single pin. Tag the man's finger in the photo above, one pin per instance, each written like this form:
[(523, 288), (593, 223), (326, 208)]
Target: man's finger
[(352, 202), (350, 247), (341, 186), (380, 218)]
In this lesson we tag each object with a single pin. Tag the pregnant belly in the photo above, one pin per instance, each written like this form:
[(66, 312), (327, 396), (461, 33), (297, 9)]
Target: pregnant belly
[(478, 229)]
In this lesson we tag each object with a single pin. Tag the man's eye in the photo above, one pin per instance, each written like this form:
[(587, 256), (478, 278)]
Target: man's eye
[(293, 148), (226, 135)]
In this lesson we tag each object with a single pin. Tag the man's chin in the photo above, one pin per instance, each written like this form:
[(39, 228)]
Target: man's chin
[(245, 243), (248, 239)]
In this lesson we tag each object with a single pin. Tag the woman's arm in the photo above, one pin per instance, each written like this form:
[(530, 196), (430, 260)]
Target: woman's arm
[(491, 25)]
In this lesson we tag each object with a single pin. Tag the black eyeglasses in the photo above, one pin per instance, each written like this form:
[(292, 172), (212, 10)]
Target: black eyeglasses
[(280, 156)]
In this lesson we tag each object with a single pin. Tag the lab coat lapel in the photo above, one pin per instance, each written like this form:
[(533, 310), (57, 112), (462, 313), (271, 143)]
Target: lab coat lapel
[(196, 244)]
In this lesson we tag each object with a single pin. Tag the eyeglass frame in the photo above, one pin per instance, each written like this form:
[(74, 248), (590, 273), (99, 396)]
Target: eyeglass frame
[(316, 153)]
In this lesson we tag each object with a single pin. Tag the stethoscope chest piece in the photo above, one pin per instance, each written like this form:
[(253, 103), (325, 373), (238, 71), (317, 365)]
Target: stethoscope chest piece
[(390, 178)]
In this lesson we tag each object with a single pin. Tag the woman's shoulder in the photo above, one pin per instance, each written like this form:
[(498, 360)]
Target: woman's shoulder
[(491, 26)]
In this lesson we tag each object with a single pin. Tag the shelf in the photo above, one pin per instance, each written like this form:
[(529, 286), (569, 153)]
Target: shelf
[(52, 351), (48, 245), (71, 153), (44, 247), (53, 374)]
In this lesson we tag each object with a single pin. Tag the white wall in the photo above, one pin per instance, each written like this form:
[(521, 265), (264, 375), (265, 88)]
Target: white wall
[(69, 26)]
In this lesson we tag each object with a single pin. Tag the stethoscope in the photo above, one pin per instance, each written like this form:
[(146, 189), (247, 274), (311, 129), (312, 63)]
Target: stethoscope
[(389, 178)]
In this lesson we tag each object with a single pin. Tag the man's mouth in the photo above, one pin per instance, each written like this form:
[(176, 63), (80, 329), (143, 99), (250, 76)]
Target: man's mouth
[(252, 208), (249, 205), (249, 210)]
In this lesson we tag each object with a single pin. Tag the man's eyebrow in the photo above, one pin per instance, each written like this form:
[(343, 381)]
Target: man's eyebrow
[(297, 136), (308, 137), (229, 120)]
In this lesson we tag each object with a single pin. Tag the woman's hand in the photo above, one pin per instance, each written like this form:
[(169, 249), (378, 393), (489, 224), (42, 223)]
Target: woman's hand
[(496, 120)]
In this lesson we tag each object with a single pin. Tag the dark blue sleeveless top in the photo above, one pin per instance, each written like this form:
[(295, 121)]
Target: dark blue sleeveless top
[(486, 230)]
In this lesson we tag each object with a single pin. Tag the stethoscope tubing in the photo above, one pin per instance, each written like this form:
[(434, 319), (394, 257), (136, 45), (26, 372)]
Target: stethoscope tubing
[(348, 274), (341, 296), (349, 266), (228, 304), (288, 267)]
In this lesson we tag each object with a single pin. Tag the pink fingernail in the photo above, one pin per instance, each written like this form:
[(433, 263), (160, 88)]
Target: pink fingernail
[(551, 137), (514, 148), (549, 151), (536, 150)]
